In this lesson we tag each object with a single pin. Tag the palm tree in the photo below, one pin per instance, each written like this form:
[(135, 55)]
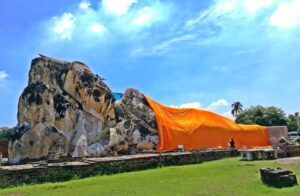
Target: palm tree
[(237, 107)]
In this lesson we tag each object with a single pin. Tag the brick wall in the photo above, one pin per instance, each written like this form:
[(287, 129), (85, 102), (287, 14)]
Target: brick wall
[(53, 172), (275, 133), (4, 148)]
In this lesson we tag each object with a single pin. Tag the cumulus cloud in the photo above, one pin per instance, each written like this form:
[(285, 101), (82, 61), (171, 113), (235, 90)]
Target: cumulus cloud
[(63, 26), (111, 17), (3, 75), (252, 6), (286, 15), (131, 22), (212, 107), (217, 104), (85, 4), (143, 16), (118, 7), (195, 104), (97, 28), (218, 107)]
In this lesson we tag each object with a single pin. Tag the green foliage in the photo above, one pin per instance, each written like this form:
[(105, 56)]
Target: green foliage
[(5, 133), (294, 122), (223, 177), (266, 116)]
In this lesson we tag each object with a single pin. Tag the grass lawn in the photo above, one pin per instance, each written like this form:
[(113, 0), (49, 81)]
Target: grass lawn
[(222, 177)]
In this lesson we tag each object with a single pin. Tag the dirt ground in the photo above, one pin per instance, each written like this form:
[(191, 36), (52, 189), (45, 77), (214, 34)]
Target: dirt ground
[(290, 161)]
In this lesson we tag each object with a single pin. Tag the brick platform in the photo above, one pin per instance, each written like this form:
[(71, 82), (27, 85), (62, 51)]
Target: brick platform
[(53, 172), (293, 151)]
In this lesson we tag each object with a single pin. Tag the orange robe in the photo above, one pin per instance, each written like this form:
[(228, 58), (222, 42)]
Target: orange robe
[(196, 129)]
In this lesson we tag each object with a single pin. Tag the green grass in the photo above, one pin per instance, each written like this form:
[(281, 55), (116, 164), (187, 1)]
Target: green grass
[(223, 177)]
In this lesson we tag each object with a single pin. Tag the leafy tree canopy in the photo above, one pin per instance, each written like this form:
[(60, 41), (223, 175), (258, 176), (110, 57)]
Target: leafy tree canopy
[(5, 133), (265, 116), (294, 122)]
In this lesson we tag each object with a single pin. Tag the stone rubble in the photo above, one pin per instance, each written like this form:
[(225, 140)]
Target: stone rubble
[(278, 177)]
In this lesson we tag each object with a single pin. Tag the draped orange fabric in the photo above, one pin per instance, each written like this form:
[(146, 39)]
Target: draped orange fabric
[(195, 129)]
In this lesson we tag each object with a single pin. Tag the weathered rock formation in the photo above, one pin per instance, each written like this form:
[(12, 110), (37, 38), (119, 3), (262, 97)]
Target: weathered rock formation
[(68, 110), (136, 127)]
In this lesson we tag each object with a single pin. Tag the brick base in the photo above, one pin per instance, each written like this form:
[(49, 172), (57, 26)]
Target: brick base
[(53, 172)]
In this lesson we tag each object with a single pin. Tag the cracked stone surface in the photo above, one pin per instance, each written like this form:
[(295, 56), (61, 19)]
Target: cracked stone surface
[(67, 110)]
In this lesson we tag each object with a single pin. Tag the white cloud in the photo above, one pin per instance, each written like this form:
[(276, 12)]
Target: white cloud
[(162, 47), (217, 104), (189, 105), (225, 6), (170, 42), (63, 26), (84, 22), (252, 6), (117, 7), (85, 4), (286, 15), (221, 8), (228, 115), (97, 28), (143, 16), (3, 75), (223, 12), (212, 107)]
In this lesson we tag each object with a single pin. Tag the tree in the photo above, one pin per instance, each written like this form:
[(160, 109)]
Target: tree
[(294, 122), (5, 133), (266, 116), (237, 107)]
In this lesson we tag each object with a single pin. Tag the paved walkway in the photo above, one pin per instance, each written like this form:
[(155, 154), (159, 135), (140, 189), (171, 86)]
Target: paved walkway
[(289, 160)]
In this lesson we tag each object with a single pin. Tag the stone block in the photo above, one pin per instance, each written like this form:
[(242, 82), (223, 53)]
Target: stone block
[(278, 177)]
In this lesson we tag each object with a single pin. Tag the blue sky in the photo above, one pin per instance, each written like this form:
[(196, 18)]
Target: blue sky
[(190, 53)]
